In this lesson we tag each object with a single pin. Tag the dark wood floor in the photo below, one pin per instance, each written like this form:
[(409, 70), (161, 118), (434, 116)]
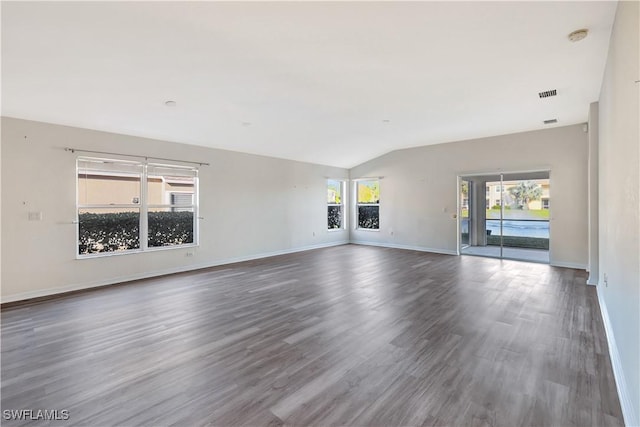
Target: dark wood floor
[(350, 335)]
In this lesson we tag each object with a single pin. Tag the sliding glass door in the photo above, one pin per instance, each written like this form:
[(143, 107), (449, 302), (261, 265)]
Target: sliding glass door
[(465, 214), (515, 221)]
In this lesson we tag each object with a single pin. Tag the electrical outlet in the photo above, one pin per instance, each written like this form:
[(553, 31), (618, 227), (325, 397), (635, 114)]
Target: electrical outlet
[(606, 280), (35, 216), (190, 253)]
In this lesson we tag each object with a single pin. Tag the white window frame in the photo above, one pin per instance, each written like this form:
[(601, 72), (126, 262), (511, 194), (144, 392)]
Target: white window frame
[(142, 206), (357, 205), (343, 217)]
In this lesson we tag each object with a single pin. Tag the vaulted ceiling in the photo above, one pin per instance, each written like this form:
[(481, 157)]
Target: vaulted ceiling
[(335, 83)]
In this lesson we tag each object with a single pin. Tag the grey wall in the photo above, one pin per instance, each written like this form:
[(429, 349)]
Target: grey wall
[(418, 191), (252, 205), (619, 201)]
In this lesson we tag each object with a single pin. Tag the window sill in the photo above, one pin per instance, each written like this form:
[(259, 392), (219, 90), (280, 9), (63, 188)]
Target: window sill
[(377, 230)]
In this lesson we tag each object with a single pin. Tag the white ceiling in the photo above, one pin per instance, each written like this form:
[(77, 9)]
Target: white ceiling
[(316, 81)]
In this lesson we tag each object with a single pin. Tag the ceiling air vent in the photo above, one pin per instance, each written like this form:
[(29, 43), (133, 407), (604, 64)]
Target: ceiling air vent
[(550, 121), (547, 93)]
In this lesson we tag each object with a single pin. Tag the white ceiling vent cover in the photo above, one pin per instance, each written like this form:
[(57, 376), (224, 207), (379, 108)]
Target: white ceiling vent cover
[(547, 93)]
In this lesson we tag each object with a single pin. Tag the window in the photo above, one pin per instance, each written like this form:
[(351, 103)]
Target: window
[(545, 203), (181, 199), (335, 205), (131, 206), (368, 204), (170, 206)]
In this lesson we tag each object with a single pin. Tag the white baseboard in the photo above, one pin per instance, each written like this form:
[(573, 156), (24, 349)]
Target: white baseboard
[(411, 248), (628, 412), (592, 281), (575, 265), (149, 274)]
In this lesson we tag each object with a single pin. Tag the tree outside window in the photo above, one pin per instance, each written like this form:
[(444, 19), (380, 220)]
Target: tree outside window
[(368, 204)]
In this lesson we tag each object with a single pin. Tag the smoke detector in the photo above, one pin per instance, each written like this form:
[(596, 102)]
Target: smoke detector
[(578, 35)]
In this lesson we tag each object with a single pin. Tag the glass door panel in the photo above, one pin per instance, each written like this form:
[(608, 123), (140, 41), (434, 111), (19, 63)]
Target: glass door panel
[(505, 216), (465, 213)]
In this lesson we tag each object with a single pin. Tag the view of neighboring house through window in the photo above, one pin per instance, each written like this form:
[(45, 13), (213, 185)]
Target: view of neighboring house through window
[(127, 206), (335, 204), (368, 204), (171, 205)]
